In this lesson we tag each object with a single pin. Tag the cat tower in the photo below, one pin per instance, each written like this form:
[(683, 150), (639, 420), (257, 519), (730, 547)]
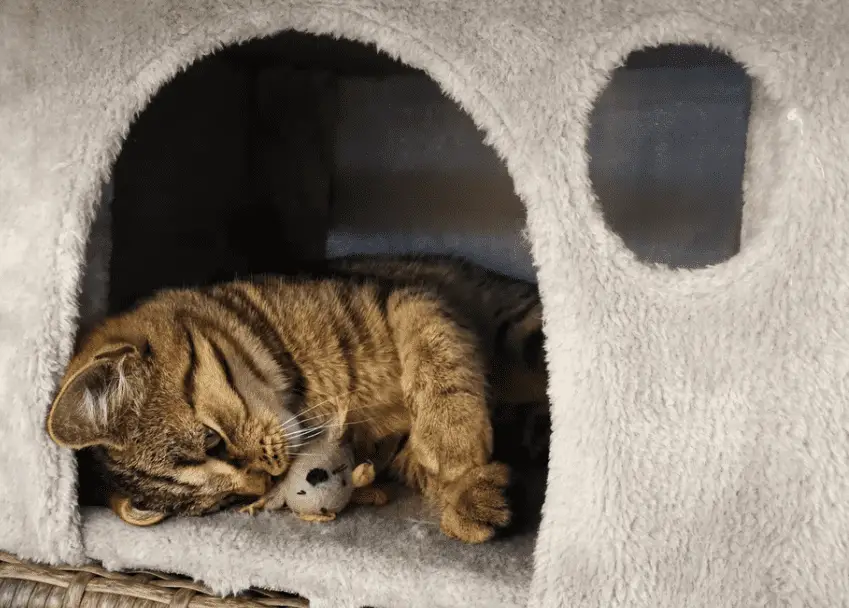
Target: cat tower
[(700, 446)]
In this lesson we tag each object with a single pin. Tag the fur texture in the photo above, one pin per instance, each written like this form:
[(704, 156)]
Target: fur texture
[(198, 397), (699, 452)]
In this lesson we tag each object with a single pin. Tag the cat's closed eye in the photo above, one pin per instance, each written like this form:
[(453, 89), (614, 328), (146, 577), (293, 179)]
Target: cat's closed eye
[(214, 445), (211, 439)]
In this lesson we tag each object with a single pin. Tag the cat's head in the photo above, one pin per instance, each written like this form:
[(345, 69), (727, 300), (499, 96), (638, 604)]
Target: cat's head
[(186, 408)]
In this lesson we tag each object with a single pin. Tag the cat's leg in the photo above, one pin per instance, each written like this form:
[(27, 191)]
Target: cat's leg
[(448, 452)]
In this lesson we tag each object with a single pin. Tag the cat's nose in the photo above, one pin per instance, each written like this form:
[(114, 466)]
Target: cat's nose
[(317, 476)]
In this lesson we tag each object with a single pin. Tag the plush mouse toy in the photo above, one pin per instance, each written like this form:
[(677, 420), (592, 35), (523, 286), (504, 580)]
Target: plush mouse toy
[(322, 481)]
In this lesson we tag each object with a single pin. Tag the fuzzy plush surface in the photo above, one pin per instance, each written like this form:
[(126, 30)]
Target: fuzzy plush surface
[(396, 558), (667, 149), (699, 450)]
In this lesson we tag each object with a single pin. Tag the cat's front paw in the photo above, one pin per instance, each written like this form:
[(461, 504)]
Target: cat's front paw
[(477, 505), (255, 507)]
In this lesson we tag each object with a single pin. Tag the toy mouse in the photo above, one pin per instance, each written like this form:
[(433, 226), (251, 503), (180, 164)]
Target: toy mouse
[(322, 481)]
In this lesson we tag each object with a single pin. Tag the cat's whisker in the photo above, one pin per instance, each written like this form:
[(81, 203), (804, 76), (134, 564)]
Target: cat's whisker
[(319, 417), (337, 425), (351, 422), (317, 431), (316, 417), (310, 431), (304, 438), (295, 417), (302, 441), (305, 429), (320, 403), (299, 445), (348, 411)]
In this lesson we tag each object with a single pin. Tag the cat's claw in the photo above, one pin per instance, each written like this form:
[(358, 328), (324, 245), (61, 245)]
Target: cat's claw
[(255, 507)]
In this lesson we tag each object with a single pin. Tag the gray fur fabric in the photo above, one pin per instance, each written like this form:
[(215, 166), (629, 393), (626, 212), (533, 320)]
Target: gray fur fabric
[(699, 450), (412, 175)]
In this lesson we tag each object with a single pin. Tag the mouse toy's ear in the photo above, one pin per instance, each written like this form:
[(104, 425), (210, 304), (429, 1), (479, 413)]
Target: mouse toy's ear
[(363, 475)]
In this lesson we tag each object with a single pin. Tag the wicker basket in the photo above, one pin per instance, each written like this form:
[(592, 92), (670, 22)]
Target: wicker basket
[(26, 585)]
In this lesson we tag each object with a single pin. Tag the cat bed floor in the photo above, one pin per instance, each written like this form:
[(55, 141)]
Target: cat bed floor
[(389, 556)]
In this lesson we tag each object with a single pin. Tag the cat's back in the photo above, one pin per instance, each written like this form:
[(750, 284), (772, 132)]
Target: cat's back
[(505, 312), (316, 312), (461, 282)]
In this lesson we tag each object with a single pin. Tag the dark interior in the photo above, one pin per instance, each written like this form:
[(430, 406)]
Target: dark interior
[(210, 191), (228, 171)]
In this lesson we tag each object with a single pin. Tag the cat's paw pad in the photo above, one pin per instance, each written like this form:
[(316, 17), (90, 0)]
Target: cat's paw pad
[(479, 506), (255, 507)]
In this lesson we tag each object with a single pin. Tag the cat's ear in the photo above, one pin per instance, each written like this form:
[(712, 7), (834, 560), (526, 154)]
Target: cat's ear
[(83, 413), (123, 508)]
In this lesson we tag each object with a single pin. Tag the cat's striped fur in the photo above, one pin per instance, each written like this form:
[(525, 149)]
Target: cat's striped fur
[(209, 393)]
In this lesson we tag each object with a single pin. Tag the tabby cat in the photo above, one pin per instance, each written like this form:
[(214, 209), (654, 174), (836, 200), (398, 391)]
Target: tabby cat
[(197, 398)]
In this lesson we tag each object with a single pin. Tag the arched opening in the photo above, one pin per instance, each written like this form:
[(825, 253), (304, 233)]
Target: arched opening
[(667, 145), (278, 152), (294, 147), (284, 150)]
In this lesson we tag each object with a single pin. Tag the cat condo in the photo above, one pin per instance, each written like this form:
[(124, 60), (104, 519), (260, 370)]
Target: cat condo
[(682, 214)]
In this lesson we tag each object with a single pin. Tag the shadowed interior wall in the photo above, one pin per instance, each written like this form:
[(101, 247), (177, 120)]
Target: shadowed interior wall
[(293, 147)]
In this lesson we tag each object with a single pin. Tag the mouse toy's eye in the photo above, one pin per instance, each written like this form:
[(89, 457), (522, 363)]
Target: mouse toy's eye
[(211, 440), (302, 492)]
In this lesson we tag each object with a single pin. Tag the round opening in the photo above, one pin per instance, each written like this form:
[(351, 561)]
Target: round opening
[(667, 145)]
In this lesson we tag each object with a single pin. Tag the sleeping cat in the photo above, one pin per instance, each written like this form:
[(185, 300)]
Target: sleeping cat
[(197, 398)]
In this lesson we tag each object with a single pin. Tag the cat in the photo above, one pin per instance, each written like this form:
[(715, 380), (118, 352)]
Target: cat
[(197, 398)]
